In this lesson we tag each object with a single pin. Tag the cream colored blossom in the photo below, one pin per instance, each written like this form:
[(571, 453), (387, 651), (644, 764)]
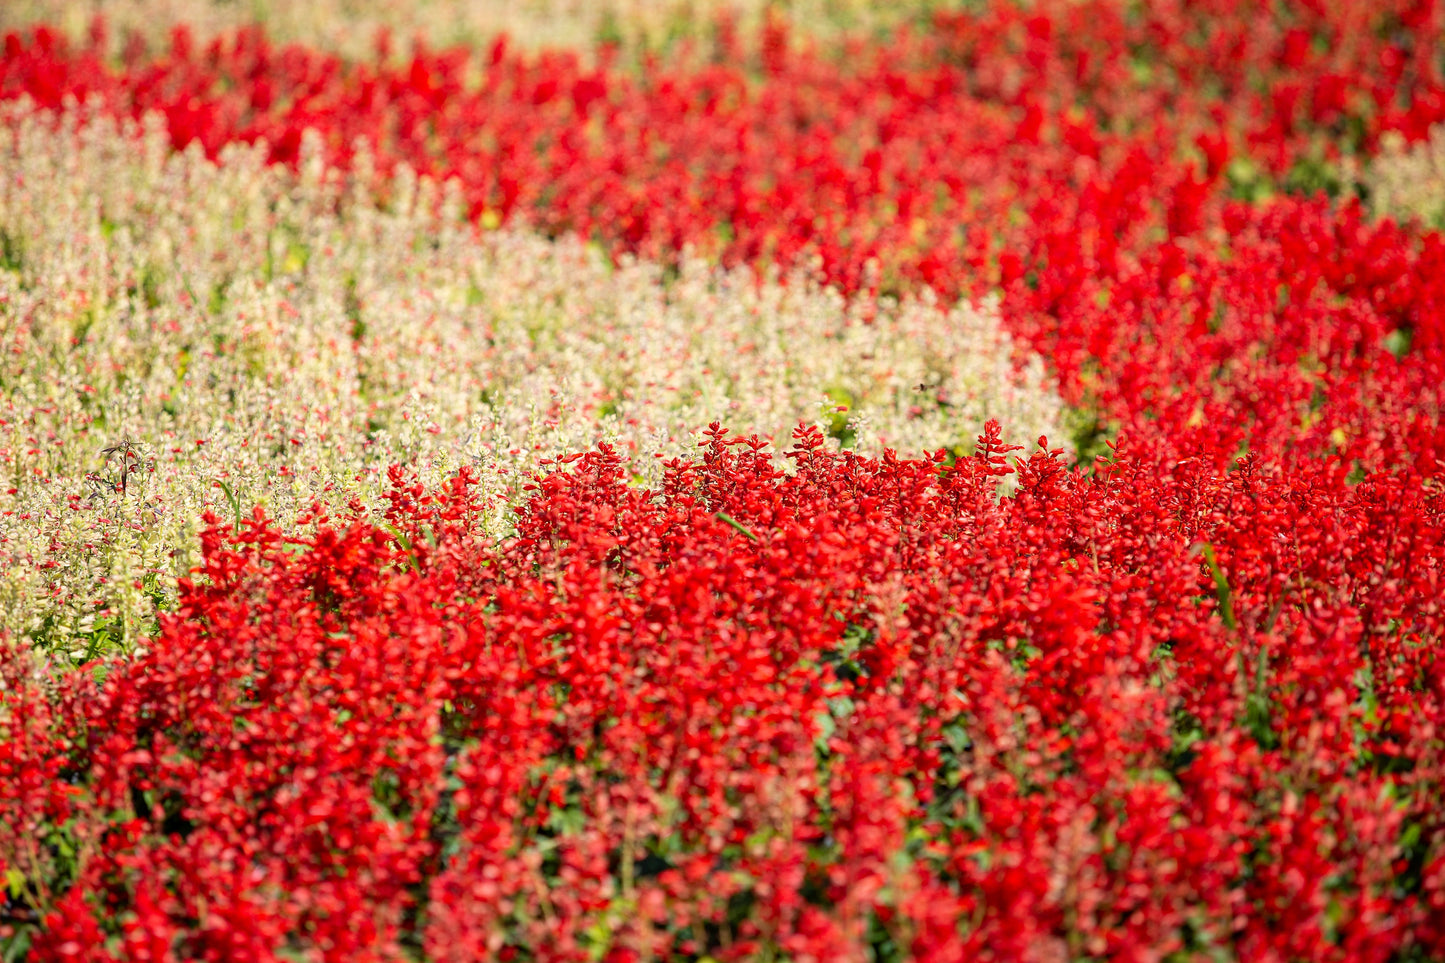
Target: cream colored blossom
[(279, 339), (1408, 182)]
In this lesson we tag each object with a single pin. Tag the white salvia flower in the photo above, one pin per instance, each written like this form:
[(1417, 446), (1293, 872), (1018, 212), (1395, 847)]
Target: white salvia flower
[(274, 339), (1406, 183)]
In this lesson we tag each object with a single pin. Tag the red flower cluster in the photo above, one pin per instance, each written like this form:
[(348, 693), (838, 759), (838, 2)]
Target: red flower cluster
[(865, 704)]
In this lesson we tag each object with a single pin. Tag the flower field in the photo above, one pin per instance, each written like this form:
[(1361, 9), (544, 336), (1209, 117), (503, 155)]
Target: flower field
[(720, 482)]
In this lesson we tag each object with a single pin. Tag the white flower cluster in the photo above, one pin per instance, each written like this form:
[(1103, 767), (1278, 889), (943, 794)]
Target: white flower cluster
[(1408, 182), (178, 334)]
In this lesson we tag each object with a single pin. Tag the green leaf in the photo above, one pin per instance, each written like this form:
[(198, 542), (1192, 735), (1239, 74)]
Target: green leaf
[(725, 517), (1221, 585)]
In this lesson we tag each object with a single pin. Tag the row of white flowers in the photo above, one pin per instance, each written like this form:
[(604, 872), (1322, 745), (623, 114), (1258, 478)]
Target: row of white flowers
[(1407, 182), (252, 336)]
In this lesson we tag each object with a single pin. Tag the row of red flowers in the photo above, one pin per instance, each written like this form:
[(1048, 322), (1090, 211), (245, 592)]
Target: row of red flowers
[(868, 704)]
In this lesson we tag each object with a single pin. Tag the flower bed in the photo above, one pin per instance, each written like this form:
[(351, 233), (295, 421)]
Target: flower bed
[(412, 554)]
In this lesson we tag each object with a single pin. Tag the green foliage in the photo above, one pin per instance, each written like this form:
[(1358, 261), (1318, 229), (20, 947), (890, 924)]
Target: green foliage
[(1089, 435), (12, 252)]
